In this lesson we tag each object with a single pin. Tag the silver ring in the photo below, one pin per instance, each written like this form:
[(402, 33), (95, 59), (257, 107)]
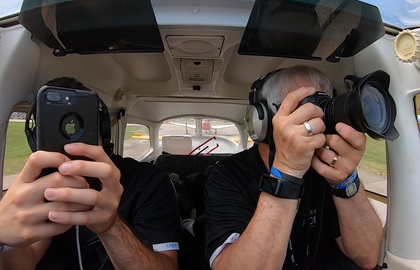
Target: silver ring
[(334, 161), (308, 128)]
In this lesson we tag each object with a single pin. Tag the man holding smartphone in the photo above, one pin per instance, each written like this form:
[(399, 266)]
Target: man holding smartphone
[(57, 222)]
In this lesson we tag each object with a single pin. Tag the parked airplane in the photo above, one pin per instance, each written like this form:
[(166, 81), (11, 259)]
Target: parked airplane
[(155, 60)]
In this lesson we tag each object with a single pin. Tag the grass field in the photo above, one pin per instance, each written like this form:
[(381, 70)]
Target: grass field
[(17, 150), (131, 129), (374, 159)]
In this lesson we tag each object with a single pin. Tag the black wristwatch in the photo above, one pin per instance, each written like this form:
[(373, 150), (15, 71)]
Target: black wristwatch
[(347, 192), (280, 187)]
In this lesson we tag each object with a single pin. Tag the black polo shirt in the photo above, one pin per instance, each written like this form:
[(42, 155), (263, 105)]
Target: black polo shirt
[(232, 194), (148, 206)]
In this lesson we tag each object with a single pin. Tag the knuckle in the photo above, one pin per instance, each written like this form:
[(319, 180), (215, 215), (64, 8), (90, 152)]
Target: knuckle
[(79, 165), (334, 139), (27, 234), (35, 158), (17, 198), (56, 178), (95, 197), (85, 220), (301, 146), (361, 144), (120, 190), (22, 216), (95, 151), (108, 169)]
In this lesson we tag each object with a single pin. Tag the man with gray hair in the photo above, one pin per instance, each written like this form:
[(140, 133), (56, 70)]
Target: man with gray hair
[(303, 207)]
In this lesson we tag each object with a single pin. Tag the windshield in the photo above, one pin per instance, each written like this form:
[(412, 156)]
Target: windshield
[(399, 13), (9, 7)]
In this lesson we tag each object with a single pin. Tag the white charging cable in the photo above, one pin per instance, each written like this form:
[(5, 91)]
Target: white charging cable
[(79, 253)]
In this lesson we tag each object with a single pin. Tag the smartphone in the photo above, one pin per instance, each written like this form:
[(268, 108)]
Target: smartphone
[(65, 116)]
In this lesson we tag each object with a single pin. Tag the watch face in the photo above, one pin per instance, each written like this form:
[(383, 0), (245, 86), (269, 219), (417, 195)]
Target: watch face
[(268, 185), (351, 189)]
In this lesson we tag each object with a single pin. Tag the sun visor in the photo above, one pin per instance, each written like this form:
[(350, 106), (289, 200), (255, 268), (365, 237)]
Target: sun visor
[(311, 29), (93, 26)]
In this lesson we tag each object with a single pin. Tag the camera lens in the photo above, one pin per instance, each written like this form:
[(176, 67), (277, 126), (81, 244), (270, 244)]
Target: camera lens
[(367, 107), (375, 109), (53, 97)]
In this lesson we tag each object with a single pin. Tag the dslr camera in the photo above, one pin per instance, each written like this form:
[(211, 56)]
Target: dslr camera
[(367, 106)]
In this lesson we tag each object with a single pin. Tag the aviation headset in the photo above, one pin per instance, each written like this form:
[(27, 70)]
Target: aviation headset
[(258, 115), (71, 83)]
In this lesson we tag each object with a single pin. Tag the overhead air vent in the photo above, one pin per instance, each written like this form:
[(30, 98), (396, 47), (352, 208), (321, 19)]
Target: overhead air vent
[(195, 46), (197, 71)]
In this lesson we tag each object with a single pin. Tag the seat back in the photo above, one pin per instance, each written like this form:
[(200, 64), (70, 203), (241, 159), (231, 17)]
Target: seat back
[(177, 145), (193, 171), (184, 165)]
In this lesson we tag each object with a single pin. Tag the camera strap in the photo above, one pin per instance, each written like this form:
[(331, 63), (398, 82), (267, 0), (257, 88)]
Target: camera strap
[(308, 224)]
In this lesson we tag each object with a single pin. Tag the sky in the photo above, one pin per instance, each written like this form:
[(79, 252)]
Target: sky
[(401, 13), (8, 7)]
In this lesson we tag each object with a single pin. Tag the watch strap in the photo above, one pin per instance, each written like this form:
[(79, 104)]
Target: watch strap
[(280, 187), (347, 191), (346, 182), (5, 248), (282, 175)]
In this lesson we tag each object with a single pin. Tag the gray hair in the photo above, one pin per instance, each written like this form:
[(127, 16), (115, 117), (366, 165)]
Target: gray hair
[(278, 85)]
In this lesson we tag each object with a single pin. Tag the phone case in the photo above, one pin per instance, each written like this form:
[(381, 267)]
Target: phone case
[(65, 116)]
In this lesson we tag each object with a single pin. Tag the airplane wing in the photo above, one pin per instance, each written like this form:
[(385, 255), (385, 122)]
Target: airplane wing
[(207, 125), (183, 125), (221, 126)]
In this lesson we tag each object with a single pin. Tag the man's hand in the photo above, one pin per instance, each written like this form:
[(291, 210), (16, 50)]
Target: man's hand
[(347, 147), (294, 145), (104, 203), (24, 210)]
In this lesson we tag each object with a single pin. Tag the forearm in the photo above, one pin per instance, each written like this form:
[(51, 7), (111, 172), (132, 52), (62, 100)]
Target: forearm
[(263, 244), (13, 259), (127, 252), (361, 229)]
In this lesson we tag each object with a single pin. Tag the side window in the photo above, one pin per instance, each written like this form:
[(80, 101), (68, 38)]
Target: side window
[(373, 169), (17, 148), (199, 136), (136, 141), (249, 143)]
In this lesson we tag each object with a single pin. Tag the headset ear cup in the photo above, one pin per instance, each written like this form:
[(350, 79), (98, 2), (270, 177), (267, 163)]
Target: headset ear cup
[(257, 121), (30, 127), (31, 137), (105, 127), (258, 116)]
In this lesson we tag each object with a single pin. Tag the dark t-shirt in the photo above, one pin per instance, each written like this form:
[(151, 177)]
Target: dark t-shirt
[(232, 194), (148, 206)]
